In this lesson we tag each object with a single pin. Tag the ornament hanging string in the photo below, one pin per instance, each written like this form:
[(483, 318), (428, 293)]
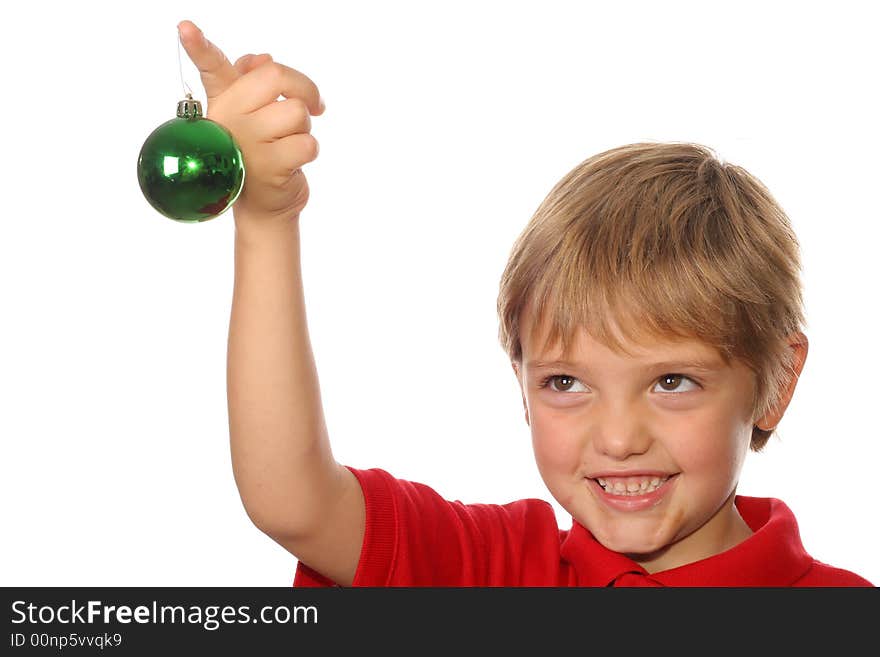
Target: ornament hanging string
[(186, 88)]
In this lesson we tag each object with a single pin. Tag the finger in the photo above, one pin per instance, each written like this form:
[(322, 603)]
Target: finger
[(291, 153), (282, 119), (216, 72), (269, 80), (241, 64), (246, 63)]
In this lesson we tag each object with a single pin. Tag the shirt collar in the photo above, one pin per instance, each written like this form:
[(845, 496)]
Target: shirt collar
[(772, 556)]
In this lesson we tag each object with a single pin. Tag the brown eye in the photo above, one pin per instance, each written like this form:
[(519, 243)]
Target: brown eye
[(672, 382), (565, 382), (564, 385)]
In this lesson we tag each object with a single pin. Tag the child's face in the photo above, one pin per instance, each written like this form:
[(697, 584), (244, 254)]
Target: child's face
[(629, 422)]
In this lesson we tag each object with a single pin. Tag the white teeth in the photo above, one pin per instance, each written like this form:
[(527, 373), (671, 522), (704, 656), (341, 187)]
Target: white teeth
[(632, 486)]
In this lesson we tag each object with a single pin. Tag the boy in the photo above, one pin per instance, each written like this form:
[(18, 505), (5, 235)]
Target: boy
[(685, 272)]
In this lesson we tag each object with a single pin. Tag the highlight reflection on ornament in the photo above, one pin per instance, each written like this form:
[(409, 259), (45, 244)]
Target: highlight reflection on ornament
[(190, 169)]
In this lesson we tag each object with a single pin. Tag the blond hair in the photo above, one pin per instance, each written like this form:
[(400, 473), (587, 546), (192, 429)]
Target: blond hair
[(661, 239)]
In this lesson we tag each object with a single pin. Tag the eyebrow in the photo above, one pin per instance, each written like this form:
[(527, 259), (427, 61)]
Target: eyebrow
[(703, 365)]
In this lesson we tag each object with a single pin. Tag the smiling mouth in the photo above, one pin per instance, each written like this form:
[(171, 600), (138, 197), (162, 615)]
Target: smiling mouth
[(631, 486)]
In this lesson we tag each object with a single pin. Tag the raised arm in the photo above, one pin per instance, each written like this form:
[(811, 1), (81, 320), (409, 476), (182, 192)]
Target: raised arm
[(290, 484)]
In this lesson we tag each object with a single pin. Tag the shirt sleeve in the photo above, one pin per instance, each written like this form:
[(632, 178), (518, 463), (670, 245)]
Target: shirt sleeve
[(415, 537)]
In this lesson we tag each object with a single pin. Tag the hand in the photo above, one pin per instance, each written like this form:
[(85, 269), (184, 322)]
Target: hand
[(273, 135)]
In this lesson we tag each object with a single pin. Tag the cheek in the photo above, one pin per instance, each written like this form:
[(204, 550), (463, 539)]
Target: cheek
[(556, 448), (711, 446), (557, 455)]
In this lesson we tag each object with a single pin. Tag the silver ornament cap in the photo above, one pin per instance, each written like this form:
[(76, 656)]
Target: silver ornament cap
[(188, 108)]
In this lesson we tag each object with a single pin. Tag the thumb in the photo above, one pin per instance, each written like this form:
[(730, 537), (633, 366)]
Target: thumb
[(216, 71)]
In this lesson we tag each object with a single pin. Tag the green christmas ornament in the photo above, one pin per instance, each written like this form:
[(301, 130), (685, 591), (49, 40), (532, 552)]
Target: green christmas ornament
[(190, 169)]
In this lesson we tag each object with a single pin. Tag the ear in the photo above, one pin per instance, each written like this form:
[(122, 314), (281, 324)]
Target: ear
[(521, 389), (800, 345)]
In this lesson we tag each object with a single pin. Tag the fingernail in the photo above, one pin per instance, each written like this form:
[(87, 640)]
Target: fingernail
[(198, 38), (321, 104)]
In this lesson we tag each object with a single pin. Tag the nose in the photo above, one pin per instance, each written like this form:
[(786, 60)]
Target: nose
[(620, 431)]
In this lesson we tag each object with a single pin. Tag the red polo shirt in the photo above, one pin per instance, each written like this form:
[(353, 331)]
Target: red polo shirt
[(414, 537)]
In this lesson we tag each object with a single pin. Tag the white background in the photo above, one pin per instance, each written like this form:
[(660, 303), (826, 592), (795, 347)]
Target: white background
[(446, 125)]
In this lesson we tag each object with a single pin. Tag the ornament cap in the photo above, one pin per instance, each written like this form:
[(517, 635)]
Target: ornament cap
[(188, 108)]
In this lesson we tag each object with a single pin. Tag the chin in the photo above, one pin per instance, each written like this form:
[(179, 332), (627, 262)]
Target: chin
[(633, 544)]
